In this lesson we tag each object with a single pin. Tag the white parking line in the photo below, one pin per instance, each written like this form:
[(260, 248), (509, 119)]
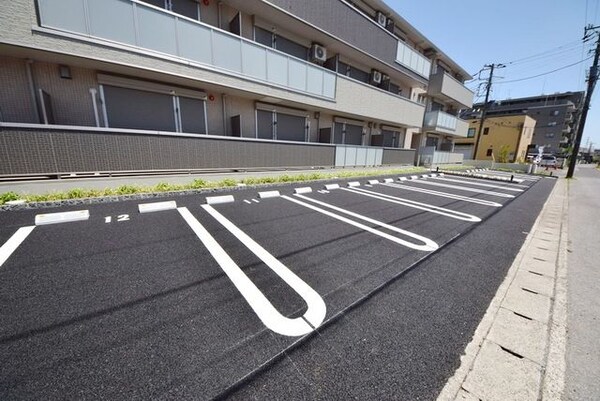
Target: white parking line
[(504, 185), (13, 243), (427, 244), (479, 191), (446, 195), (417, 205), (263, 308), (480, 184), (247, 201)]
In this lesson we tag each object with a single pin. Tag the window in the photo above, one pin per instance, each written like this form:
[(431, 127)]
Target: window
[(281, 43), (489, 152), (471, 133), (272, 124), (486, 131)]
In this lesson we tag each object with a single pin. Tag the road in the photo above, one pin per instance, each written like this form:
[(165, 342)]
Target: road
[(368, 292)]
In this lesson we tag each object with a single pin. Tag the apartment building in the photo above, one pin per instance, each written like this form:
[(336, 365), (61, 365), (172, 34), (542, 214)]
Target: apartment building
[(101, 85), (503, 139), (557, 116)]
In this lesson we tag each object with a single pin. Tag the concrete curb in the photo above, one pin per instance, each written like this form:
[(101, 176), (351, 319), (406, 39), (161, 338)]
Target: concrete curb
[(517, 351)]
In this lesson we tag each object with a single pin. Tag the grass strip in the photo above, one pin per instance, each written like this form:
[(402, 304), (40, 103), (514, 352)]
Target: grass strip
[(196, 184)]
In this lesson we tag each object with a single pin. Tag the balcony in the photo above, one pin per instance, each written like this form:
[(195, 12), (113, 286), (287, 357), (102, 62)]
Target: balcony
[(414, 60), (444, 123), (363, 99), (445, 87), (140, 26)]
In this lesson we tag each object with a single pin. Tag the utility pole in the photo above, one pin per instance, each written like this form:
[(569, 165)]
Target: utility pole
[(485, 104), (593, 77)]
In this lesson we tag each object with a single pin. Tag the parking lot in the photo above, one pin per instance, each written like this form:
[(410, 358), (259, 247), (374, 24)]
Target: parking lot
[(207, 295)]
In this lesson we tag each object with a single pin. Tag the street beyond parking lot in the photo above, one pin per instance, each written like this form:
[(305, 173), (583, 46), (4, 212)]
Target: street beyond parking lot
[(368, 291)]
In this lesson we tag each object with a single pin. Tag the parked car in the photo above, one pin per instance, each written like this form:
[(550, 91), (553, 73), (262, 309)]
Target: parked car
[(548, 161)]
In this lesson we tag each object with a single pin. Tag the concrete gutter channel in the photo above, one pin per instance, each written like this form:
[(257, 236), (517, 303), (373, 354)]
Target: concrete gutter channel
[(518, 349)]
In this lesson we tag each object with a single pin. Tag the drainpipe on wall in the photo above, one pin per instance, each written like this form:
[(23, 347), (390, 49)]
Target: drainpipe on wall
[(224, 107), (31, 81)]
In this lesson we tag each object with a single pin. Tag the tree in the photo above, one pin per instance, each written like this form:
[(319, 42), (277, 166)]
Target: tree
[(503, 154)]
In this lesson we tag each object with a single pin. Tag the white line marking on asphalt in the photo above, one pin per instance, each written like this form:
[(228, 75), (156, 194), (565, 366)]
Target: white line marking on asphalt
[(215, 200), (329, 187), (63, 217), (481, 184), (323, 191), (472, 179), (247, 201), (13, 243), (354, 184), (269, 194), (303, 190), (266, 312), (446, 195), (466, 189), (417, 205), (368, 185), (428, 244), (255, 200), (156, 206)]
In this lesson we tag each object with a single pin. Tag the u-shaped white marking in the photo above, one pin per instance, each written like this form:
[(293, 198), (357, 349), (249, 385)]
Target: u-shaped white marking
[(480, 184), (446, 195), (417, 205), (479, 191), (427, 245), (263, 308)]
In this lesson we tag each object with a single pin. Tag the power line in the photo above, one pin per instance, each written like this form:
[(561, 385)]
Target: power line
[(546, 73), (544, 52)]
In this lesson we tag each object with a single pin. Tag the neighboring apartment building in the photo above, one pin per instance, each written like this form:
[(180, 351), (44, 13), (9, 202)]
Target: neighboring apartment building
[(141, 83), (507, 136), (556, 115)]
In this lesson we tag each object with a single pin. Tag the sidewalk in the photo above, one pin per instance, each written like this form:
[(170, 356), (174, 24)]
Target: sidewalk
[(536, 341)]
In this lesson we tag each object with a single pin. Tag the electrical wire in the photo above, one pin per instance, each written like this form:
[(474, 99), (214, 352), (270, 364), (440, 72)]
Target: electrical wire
[(554, 49), (545, 73)]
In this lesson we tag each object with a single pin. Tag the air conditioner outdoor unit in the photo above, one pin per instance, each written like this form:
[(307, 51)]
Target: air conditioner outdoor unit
[(389, 25), (318, 53), (376, 77), (381, 19)]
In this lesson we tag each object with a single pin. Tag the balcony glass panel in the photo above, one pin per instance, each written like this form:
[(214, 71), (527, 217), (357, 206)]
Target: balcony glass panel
[(297, 74), (138, 24), (254, 61), (314, 80), (412, 59), (194, 41), (114, 22), (277, 68), (156, 30), (67, 14), (227, 52)]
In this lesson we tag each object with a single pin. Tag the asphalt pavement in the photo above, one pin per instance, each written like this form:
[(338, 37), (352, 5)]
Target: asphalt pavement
[(368, 292)]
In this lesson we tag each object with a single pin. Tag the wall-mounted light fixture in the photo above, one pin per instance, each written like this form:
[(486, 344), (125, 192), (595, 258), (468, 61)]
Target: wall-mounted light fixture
[(64, 71)]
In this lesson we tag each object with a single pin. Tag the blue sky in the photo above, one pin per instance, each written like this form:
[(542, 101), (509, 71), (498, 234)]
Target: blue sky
[(475, 32)]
